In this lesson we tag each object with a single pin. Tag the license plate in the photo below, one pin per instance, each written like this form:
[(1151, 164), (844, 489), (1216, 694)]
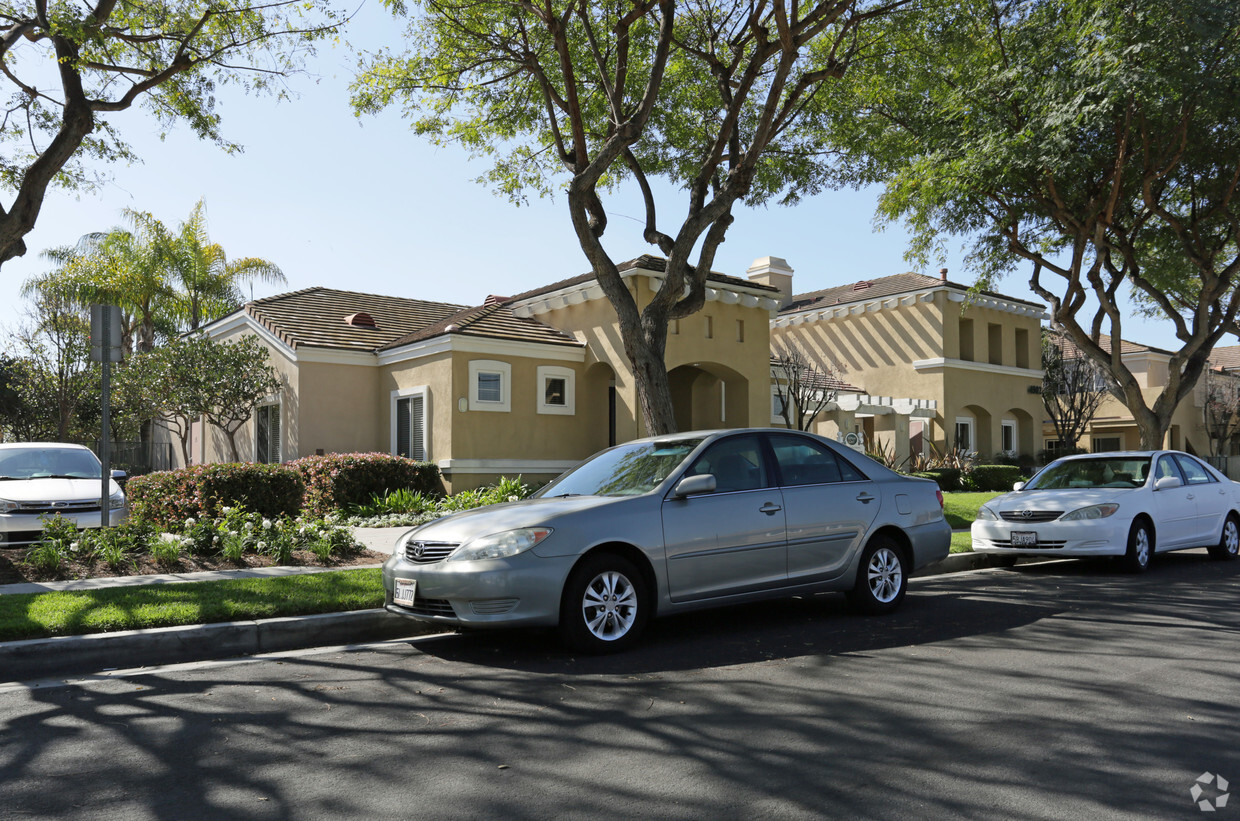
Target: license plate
[(1024, 538), (403, 593)]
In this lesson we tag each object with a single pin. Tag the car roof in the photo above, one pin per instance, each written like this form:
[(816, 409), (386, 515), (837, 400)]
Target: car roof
[(41, 446)]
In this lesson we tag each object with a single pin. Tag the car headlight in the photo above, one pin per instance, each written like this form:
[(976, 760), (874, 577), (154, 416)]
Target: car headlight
[(117, 500), (1091, 512), (8, 507), (500, 545), (986, 514)]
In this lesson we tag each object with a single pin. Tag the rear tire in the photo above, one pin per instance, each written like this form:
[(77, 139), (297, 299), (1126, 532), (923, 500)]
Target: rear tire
[(882, 577), (605, 606), (1228, 546), (1140, 547)]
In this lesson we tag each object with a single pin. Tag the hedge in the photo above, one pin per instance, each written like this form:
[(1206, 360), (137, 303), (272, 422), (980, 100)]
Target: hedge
[(948, 478), (337, 481), (168, 498), (316, 484), (993, 477)]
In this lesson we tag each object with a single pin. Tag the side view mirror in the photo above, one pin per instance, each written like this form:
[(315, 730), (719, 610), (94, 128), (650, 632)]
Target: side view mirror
[(693, 485), (1018, 486), (1167, 482), (119, 474)]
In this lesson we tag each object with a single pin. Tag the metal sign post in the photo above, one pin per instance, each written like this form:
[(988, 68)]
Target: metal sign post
[(105, 348)]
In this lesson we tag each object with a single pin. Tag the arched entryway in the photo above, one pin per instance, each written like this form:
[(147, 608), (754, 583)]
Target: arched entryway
[(707, 395)]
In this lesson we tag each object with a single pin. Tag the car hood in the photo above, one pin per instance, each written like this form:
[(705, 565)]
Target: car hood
[(1067, 499), (53, 490), (482, 521)]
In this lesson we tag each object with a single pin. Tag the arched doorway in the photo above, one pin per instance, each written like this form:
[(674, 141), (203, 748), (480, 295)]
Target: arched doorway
[(707, 395)]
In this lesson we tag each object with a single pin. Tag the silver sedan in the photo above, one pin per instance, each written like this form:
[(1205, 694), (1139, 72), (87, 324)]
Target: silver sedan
[(669, 524)]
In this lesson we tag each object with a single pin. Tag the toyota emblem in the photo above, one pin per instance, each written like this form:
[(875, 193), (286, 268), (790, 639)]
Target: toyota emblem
[(416, 550), (1027, 514)]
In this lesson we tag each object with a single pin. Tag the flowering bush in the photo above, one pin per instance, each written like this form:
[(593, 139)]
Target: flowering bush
[(379, 514), (168, 498), (339, 481)]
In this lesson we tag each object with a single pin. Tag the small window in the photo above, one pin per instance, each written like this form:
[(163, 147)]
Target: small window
[(778, 402), (740, 330), (673, 326), (556, 390), (267, 434), (1105, 444), (735, 462), (803, 462), (710, 326), (490, 385), (1007, 432), (1194, 473), (964, 434)]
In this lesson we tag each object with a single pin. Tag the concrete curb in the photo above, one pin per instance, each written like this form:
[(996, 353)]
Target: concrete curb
[(76, 655), (960, 562)]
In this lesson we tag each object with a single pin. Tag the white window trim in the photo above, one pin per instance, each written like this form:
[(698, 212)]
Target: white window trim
[(405, 393), (276, 401), (477, 366), (971, 424), (545, 372), (1009, 423)]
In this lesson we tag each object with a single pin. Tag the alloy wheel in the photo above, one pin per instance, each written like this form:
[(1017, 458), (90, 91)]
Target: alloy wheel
[(884, 575), (609, 606)]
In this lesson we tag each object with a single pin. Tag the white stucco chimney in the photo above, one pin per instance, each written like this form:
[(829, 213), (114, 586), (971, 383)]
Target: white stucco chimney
[(773, 271)]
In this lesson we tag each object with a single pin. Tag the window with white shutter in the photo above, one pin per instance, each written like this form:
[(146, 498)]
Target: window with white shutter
[(409, 424)]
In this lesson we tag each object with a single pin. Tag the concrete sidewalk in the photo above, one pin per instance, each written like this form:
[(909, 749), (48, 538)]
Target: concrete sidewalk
[(81, 655)]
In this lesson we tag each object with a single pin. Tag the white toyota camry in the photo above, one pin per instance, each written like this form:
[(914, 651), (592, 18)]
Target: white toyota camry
[(1128, 504)]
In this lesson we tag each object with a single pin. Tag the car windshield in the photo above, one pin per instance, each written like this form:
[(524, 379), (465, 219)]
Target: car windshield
[(1129, 471), (628, 470), (43, 463)]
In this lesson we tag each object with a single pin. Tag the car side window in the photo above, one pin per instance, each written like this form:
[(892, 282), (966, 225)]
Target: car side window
[(1166, 467), (1194, 473), (805, 462), (735, 462)]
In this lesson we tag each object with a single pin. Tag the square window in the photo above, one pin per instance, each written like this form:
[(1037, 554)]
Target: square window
[(554, 392), (490, 387)]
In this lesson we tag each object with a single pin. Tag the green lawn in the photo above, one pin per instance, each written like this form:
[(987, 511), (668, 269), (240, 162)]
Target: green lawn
[(40, 615), (960, 509), (962, 542)]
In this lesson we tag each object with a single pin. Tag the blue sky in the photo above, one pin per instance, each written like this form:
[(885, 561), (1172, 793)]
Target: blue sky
[(364, 205)]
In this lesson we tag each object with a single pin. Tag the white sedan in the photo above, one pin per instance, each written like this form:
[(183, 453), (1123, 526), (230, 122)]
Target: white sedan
[(1129, 504), (39, 479)]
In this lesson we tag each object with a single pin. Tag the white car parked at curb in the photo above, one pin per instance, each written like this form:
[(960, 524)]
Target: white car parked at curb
[(1128, 504), (46, 478)]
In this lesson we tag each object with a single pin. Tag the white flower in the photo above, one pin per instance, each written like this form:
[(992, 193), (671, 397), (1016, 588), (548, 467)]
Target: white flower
[(262, 545), (226, 509), (190, 522), (266, 523)]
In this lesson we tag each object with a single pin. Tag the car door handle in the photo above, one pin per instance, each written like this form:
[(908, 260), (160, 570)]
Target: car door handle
[(770, 508), (865, 497)]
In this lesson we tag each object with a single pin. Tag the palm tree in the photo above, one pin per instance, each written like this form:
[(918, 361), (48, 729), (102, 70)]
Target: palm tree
[(209, 285)]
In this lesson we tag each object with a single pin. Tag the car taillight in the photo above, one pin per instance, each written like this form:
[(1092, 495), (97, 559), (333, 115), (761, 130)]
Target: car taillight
[(939, 493)]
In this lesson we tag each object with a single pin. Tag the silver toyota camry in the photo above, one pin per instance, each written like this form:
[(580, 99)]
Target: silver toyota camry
[(669, 524)]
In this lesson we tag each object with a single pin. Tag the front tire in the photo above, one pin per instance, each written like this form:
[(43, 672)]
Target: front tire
[(605, 606), (1228, 546), (882, 578), (1140, 547)]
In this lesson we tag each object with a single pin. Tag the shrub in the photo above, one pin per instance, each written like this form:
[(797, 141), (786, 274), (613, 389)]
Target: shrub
[(166, 550), (168, 498), (992, 477), (948, 478), (340, 481)]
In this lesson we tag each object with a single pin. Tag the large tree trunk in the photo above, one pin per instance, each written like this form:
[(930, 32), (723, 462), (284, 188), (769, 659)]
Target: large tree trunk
[(654, 394)]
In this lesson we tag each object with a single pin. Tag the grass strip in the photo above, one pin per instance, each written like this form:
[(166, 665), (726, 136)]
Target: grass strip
[(962, 543), (74, 613), (960, 509)]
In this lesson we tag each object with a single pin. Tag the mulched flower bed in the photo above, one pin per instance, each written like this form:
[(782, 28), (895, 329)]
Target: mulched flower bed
[(14, 570)]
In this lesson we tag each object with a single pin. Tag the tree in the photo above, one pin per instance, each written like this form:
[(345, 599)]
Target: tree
[(805, 388), (197, 377), (244, 378), (69, 67), (711, 97), (1096, 142), (208, 283), (1221, 410), (1073, 388)]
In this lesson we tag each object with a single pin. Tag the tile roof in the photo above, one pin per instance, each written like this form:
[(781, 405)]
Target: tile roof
[(1226, 357), (1071, 351), (881, 287), (818, 379), (315, 317), (646, 262), (495, 321)]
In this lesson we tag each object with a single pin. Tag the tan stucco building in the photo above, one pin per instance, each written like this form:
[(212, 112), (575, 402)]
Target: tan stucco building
[(939, 365), (525, 385)]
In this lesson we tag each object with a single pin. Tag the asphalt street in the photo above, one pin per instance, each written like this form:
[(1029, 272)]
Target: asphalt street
[(1056, 690)]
